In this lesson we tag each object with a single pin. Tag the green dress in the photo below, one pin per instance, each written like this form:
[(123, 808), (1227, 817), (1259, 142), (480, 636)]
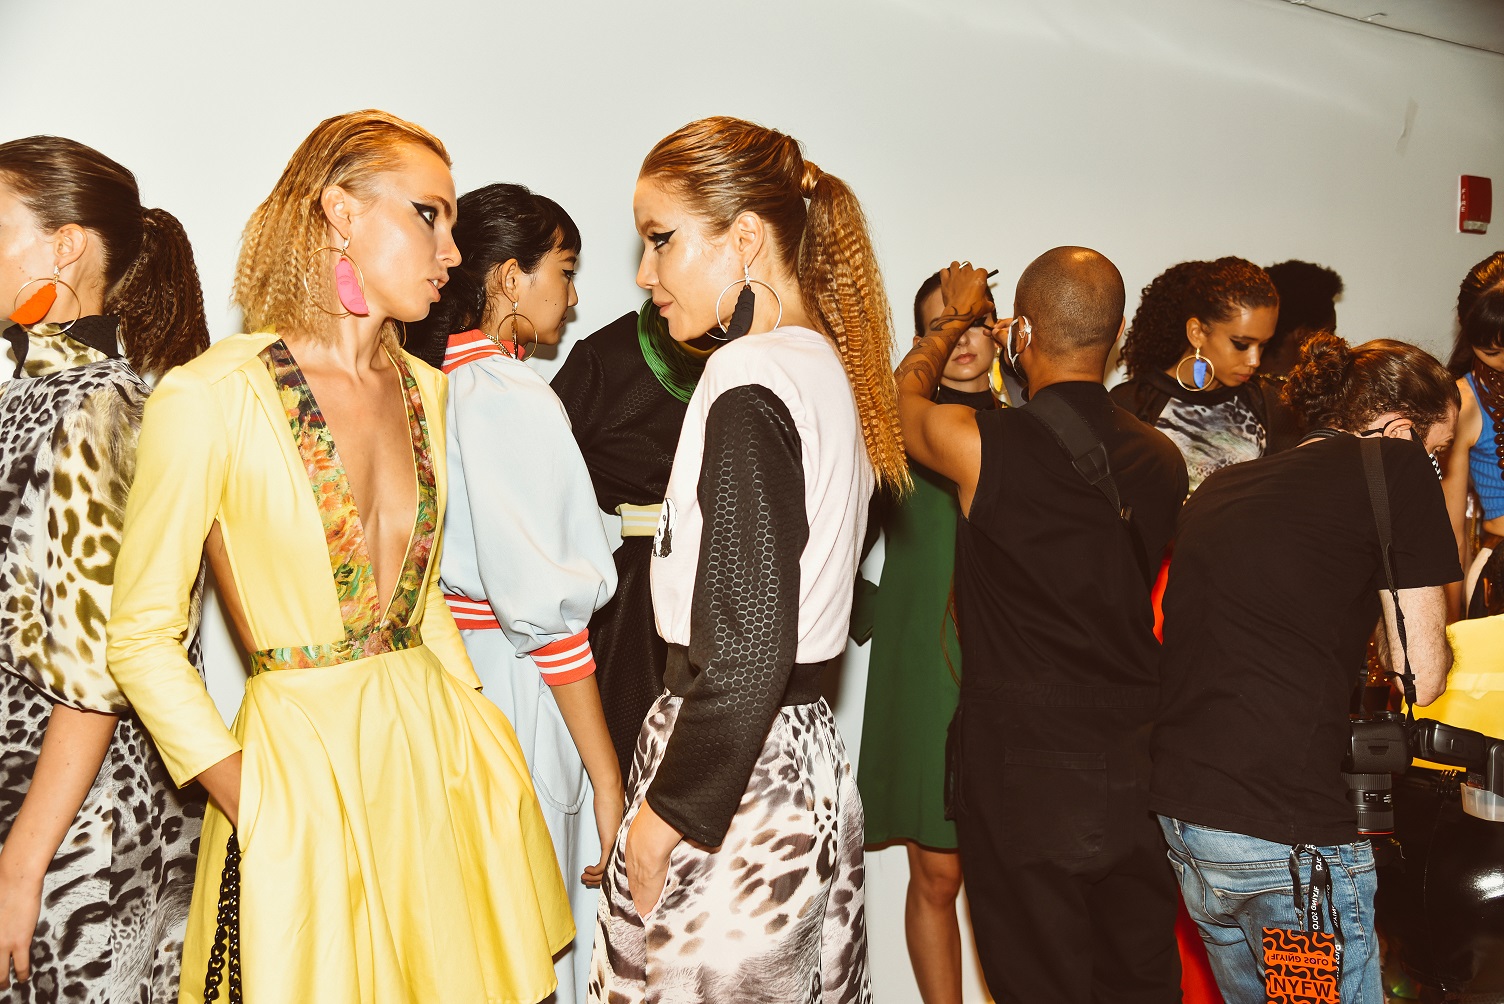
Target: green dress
[(913, 676)]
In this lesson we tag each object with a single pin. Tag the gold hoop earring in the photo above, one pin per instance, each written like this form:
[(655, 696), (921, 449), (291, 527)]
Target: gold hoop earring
[(516, 350), (1202, 372), (349, 284), (56, 279), (747, 283)]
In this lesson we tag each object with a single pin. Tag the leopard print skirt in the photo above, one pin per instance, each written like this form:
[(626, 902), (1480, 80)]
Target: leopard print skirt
[(115, 899), (776, 913)]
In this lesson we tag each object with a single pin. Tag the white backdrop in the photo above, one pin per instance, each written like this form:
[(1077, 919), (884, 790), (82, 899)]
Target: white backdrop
[(986, 129)]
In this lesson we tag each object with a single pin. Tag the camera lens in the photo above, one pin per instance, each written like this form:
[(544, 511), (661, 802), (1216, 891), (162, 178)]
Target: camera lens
[(1372, 798)]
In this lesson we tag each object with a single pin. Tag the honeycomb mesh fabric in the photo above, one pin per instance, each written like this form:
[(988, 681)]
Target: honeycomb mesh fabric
[(744, 619)]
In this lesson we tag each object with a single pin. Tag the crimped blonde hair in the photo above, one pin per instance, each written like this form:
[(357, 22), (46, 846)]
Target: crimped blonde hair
[(279, 280), (723, 167)]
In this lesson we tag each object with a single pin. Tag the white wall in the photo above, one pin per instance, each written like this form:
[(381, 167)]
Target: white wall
[(985, 129)]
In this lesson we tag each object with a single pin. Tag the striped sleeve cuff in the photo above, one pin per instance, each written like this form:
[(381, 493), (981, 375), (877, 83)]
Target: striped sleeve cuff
[(566, 660)]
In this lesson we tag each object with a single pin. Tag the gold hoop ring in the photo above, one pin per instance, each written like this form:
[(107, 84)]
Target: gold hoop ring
[(1211, 373), (745, 282), (517, 342), (360, 277), (77, 304)]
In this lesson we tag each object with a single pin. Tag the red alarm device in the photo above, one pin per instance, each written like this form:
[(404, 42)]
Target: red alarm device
[(1475, 204)]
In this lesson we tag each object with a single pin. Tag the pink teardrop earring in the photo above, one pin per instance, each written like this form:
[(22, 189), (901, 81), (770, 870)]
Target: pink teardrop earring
[(349, 284)]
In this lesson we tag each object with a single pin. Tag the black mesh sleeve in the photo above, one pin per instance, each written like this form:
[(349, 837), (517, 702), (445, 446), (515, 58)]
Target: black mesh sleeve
[(744, 620)]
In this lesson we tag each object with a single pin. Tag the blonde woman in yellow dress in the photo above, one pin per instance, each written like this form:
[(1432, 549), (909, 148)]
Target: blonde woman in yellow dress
[(390, 847)]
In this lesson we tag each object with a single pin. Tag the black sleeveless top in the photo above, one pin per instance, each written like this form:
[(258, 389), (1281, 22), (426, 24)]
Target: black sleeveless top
[(1052, 603)]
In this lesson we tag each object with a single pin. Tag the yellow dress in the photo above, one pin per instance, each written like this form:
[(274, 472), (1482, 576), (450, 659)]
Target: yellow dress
[(392, 848)]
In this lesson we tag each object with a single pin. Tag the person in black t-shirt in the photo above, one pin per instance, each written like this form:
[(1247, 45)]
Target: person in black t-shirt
[(1276, 585), (1070, 895)]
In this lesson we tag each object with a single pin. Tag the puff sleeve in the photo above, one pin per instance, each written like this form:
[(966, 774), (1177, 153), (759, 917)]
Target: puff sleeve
[(541, 550)]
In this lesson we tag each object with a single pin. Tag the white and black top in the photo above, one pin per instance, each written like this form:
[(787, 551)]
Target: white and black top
[(756, 551)]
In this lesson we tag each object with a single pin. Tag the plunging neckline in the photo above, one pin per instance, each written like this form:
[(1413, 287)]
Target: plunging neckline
[(349, 490), (361, 608)]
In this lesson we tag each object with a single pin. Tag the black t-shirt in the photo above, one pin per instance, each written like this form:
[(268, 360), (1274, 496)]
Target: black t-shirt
[(1273, 594), (1052, 601)]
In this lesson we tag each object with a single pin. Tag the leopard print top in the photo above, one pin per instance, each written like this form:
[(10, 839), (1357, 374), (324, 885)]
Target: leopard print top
[(115, 897), (67, 456)]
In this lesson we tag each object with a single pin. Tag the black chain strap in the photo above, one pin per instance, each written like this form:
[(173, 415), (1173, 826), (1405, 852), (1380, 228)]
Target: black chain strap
[(226, 950)]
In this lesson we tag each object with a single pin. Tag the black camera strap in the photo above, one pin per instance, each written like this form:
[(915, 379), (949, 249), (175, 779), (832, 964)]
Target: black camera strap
[(1378, 494), (1089, 456)]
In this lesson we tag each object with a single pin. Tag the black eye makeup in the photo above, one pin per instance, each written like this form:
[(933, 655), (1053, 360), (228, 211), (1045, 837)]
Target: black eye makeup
[(660, 239), (1241, 346), (569, 274), (429, 213)]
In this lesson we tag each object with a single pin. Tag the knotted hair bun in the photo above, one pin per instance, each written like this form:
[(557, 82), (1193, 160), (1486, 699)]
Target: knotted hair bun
[(1315, 385), (810, 178), (1345, 388)]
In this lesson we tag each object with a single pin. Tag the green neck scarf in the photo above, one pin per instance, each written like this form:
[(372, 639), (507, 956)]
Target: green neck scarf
[(677, 370)]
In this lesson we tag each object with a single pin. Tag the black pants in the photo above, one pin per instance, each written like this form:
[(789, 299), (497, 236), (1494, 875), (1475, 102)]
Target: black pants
[(1072, 897)]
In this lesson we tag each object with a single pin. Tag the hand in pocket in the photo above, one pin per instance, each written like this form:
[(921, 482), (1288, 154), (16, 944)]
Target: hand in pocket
[(650, 841)]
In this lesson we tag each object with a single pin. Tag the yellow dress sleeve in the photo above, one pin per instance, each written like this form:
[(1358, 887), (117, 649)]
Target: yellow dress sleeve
[(181, 460)]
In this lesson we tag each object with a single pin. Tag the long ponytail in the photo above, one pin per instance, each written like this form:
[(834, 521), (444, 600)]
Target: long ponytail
[(159, 301), (726, 166), (843, 288)]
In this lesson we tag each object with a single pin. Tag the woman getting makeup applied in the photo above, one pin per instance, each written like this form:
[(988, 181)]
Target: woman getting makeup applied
[(526, 559), (373, 835), (914, 672)]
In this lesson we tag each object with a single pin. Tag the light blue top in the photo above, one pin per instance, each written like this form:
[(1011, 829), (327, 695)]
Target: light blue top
[(1483, 462)]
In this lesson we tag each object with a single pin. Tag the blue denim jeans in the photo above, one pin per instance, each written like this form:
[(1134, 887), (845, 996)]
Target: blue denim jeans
[(1234, 886)]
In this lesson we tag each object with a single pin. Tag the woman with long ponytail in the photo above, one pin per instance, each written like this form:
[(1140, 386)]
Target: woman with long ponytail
[(739, 863), (96, 842)]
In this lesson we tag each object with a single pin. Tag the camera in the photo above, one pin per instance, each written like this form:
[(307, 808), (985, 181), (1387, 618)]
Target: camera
[(1378, 750), (1481, 756)]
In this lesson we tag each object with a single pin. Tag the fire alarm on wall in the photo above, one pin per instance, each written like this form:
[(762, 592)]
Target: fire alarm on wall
[(1475, 203)]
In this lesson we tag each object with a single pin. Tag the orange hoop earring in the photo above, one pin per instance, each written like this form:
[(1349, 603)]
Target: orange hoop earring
[(41, 302)]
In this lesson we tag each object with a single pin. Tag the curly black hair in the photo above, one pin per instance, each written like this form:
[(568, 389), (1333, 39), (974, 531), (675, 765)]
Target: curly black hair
[(1209, 290)]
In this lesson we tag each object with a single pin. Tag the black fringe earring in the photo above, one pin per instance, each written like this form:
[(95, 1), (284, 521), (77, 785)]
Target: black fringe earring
[(741, 317)]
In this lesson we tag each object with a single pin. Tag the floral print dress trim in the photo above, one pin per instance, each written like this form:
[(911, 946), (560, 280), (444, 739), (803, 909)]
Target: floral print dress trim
[(368, 629)]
